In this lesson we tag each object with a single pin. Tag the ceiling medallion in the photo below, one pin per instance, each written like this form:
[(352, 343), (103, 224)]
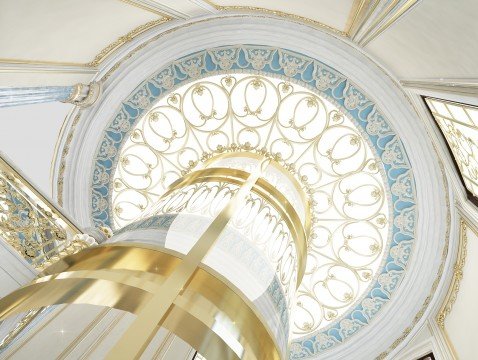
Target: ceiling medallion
[(318, 126)]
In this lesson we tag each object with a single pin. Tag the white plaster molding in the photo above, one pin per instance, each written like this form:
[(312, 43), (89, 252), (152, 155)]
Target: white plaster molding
[(416, 352), (335, 52), (442, 348), (459, 90)]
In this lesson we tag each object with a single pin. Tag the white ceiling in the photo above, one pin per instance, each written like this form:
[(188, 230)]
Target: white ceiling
[(28, 138), (436, 39), (64, 30)]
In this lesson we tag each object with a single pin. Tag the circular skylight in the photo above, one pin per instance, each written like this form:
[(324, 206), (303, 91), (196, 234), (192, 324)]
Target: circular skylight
[(309, 136)]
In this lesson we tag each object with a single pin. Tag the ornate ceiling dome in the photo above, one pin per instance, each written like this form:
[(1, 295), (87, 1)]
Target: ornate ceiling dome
[(331, 119)]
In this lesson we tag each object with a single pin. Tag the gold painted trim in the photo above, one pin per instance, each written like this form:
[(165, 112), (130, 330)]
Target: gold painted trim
[(278, 13), (103, 54), (42, 201), (98, 340), (458, 268), (164, 345), (41, 62), (31, 334), (19, 327), (85, 332), (357, 16)]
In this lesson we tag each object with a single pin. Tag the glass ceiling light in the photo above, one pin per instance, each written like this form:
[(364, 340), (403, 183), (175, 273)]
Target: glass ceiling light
[(324, 167)]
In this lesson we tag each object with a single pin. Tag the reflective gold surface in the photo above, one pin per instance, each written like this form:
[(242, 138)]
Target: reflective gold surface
[(139, 334), (125, 277), (266, 191)]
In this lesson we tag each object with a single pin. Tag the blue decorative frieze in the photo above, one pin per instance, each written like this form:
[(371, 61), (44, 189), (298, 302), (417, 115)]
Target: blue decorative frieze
[(328, 83)]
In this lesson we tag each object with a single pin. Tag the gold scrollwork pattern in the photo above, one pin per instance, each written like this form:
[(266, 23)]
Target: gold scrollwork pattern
[(306, 133), (32, 227)]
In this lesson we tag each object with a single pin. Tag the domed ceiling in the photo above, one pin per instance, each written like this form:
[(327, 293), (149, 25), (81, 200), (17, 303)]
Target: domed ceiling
[(318, 123)]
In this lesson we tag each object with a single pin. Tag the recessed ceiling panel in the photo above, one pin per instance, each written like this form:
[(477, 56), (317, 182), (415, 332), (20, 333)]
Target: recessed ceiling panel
[(65, 30)]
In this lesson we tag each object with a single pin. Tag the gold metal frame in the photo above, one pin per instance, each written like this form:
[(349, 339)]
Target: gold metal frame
[(125, 277), (266, 191), (257, 156)]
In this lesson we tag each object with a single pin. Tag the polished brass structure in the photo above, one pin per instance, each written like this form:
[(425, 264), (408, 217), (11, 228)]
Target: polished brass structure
[(126, 277), (267, 192), (164, 288)]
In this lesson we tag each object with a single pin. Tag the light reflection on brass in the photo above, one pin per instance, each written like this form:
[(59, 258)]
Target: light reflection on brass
[(267, 192), (139, 334), (115, 276)]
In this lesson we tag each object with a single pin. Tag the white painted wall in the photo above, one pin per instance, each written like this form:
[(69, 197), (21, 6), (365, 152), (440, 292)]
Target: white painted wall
[(28, 136), (65, 31)]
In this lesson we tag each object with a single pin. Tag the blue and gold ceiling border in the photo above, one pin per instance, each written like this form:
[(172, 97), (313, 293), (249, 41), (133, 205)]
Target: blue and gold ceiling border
[(325, 81)]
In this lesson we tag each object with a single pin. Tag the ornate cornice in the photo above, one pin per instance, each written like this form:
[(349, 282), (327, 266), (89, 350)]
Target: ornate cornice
[(457, 277), (278, 13), (125, 39)]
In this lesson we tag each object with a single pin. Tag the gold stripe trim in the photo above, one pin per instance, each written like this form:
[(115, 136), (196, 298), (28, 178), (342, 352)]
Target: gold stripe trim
[(41, 62), (144, 7), (458, 268), (357, 16)]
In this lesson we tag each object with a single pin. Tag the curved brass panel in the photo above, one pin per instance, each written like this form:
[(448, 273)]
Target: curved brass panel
[(124, 277), (257, 156)]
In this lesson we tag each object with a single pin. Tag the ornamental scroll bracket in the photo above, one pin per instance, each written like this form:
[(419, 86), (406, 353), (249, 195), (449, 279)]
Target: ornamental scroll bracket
[(84, 95)]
